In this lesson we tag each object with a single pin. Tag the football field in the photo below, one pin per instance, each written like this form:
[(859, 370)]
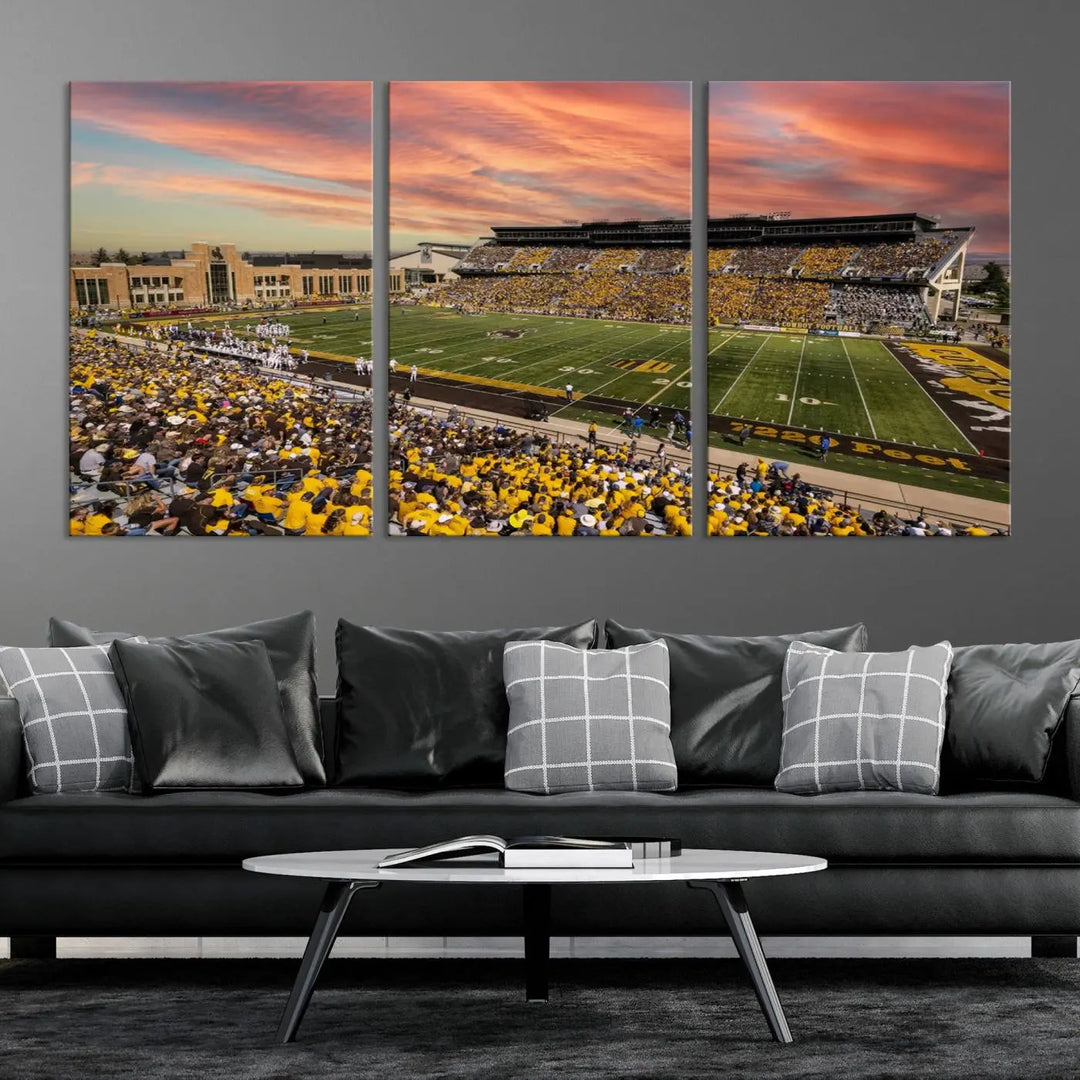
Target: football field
[(850, 387), (846, 386), (633, 362)]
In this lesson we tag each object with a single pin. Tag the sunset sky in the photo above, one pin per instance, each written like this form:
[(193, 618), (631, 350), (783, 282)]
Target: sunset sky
[(288, 165), (864, 147), (467, 155), (262, 165)]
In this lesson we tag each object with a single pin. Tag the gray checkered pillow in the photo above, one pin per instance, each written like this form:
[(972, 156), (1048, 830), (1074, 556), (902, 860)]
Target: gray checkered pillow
[(588, 719), (863, 721), (74, 719)]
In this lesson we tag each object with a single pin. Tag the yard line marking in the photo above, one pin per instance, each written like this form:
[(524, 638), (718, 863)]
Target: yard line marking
[(858, 387), (468, 361), (741, 374), (795, 388), (621, 375), (679, 378), (665, 389), (952, 424), (733, 334)]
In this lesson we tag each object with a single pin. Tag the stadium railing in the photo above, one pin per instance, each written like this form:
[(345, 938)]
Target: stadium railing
[(511, 422)]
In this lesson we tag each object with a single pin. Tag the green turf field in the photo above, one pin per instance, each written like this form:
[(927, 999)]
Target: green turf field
[(627, 361), (597, 357), (849, 386)]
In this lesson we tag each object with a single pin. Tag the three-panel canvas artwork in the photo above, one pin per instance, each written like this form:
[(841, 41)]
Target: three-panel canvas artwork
[(853, 330)]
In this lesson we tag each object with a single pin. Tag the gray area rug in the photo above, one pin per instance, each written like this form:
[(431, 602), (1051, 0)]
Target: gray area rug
[(215, 1019)]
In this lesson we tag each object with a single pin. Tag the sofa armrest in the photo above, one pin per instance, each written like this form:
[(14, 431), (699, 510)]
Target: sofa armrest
[(11, 749), (1072, 744)]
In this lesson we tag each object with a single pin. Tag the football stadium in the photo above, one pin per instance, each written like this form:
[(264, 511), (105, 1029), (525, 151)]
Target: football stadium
[(835, 355), (543, 387)]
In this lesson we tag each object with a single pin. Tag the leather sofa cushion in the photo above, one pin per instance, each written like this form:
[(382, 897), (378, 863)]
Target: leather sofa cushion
[(880, 827), (1005, 705), (726, 709), (290, 641), (204, 714), (423, 709)]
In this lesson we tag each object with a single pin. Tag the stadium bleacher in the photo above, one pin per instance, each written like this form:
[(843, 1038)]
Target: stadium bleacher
[(761, 499), (857, 284), (173, 442)]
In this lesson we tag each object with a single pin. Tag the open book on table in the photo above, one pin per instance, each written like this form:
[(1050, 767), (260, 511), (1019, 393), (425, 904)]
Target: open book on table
[(524, 852)]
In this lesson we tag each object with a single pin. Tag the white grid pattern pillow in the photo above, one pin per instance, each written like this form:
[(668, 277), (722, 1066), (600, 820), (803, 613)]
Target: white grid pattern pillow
[(588, 719), (863, 721), (74, 719)]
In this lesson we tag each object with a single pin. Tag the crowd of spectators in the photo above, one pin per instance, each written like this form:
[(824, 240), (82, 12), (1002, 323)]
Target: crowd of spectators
[(888, 259), (719, 258), (612, 259), (485, 256), (769, 284), (166, 441), (562, 259), (760, 499), (820, 260), (528, 258), (877, 305), (454, 477), (899, 258), (763, 258), (579, 293), (737, 298), (733, 298), (665, 260)]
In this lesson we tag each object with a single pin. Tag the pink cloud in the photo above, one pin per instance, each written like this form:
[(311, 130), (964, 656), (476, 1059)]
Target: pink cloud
[(853, 147), (465, 156), (281, 200), (312, 130)]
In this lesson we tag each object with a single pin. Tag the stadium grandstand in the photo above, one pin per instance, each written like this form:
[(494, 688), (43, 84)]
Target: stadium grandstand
[(880, 272), (167, 440)]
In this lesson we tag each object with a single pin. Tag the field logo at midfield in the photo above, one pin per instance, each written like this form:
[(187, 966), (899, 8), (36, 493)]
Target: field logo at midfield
[(656, 367), (511, 334)]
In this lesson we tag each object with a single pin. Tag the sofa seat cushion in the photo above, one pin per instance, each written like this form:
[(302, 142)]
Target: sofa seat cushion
[(210, 826)]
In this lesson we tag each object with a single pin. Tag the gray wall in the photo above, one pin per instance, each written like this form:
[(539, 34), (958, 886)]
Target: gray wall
[(1019, 589)]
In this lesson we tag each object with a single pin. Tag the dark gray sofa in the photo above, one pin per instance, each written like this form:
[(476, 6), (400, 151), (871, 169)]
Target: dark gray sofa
[(986, 862)]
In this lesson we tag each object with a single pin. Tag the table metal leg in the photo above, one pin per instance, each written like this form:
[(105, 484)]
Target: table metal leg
[(732, 902), (537, 909), (334, 905)]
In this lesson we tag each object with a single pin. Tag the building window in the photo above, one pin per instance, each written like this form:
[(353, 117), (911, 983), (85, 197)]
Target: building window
[(307, 284), (326, 284), (219, 283), (346, 283)]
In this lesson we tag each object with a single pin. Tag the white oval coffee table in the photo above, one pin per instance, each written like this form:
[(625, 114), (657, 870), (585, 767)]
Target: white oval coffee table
[(720, 872)]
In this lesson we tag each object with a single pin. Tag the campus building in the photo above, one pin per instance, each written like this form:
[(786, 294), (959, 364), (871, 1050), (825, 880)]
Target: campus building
[(211, 274), (429, 263)]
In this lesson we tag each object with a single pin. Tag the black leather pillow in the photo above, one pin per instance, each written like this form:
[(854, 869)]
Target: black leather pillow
[(1005, 705), (204, 714), (726, 710), (290, 643), (428, 709)]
